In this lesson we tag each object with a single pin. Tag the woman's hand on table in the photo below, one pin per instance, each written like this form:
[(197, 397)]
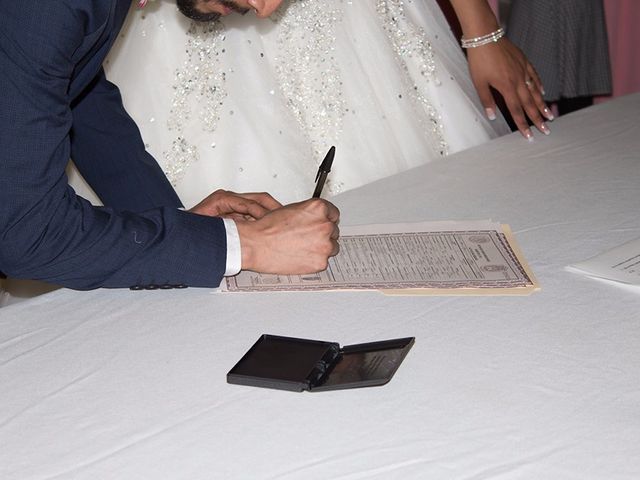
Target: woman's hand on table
[(504, 67)]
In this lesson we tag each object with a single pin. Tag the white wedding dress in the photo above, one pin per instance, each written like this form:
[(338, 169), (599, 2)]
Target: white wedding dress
[(253, 105)]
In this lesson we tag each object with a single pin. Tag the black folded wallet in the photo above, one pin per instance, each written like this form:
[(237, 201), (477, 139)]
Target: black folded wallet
[(298, 364)]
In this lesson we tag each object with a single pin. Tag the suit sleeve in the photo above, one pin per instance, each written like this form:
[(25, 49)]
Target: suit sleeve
[(108, 150), (46, 231)]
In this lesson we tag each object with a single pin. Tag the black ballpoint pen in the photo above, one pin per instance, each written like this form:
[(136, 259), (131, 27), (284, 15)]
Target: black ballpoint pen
[(323, 171)]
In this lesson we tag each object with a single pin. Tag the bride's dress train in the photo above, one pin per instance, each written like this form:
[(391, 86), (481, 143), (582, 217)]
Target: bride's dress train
[(251, 105)]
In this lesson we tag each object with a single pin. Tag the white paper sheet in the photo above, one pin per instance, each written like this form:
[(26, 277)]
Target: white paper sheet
[(620, 264)]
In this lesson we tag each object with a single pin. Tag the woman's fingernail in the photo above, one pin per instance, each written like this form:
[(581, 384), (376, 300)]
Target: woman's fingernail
[(528, 135), (491, 114), (544, 129), (548, 113)]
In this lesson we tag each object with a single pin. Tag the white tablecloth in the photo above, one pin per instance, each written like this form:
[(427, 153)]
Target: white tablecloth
[(131, 385)]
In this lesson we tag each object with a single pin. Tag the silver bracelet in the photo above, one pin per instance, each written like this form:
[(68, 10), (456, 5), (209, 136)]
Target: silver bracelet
[(483, 40)]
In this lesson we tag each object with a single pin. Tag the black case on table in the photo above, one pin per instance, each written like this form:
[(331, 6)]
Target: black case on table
[(298, 364)]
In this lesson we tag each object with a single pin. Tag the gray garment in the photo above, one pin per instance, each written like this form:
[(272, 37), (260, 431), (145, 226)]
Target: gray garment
[(566, 41)]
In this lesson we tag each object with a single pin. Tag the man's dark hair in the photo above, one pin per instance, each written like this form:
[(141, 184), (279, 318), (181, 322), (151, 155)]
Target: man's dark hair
[(189, 8)]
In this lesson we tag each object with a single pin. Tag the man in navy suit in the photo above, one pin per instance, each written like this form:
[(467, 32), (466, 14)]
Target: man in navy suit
[(56, 104)]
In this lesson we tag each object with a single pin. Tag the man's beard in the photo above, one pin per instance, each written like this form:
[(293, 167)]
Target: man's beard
[(190, 9)]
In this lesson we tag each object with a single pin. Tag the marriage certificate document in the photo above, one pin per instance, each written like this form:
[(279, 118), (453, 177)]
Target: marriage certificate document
[(477, 257)]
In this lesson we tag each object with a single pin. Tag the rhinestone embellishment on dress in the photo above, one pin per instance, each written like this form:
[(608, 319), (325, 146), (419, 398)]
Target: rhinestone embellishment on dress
[(200, 81)]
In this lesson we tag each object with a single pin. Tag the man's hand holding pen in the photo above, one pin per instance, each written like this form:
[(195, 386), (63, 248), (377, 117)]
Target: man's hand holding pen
[(295, 239)]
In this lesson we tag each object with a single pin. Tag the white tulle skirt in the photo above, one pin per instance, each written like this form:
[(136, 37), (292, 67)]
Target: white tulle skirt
[(253, 105)]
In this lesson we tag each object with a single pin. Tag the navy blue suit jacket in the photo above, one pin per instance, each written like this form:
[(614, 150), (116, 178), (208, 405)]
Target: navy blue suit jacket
[(56, 104)]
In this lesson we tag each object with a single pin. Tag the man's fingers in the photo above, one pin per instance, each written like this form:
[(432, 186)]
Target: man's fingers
[(336, 248), (246, 206), (262, 198), (226, 203), (335, 233), (320, 209), (333, 214)]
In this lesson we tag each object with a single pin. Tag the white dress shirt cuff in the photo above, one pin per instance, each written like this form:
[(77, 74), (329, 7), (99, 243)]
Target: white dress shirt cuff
[(234, 254)]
